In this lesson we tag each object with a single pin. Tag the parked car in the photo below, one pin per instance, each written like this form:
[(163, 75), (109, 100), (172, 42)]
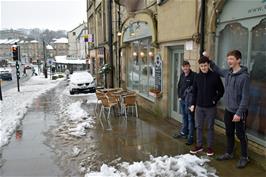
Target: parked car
[(81, 82), (27, 67), (5, 75)]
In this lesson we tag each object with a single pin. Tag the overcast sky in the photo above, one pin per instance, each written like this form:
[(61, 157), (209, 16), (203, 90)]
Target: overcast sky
[(43, 14)]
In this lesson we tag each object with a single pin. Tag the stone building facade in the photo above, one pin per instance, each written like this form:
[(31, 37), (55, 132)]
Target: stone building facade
[(155, 37)]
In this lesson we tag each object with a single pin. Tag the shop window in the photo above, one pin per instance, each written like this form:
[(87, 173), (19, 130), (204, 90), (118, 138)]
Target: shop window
[(141, 76), (233, 37), (257, 108)]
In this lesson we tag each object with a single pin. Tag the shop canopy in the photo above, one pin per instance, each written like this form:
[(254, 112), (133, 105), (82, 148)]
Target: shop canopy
[(65, 60)]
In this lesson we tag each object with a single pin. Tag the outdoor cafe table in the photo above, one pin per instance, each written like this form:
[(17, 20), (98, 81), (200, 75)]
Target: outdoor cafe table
[(110, 90)]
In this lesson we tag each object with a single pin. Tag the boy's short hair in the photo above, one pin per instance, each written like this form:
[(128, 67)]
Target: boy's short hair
[(204, 59), (235, 53), (185, 62)]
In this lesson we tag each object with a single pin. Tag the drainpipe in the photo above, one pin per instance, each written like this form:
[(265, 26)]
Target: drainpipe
[(202, 26), (119, 49), (110, 39)]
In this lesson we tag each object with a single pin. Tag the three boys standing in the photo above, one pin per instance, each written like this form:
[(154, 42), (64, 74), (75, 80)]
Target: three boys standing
[(207, 91)]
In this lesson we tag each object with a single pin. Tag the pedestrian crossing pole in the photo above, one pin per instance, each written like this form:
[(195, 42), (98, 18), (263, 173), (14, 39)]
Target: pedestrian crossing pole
[(16, 57), (18, 75)]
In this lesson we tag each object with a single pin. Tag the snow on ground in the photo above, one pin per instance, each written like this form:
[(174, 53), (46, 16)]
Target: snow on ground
[(76, 120), (15, 104), (75, 111), (181, 165)]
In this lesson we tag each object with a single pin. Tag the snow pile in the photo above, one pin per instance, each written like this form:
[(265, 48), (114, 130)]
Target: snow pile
[(182, 165), (15, 104), (77, 120), (75, 111)]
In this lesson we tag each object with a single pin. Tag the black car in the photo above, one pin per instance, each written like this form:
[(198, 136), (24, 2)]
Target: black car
[(5, 75)]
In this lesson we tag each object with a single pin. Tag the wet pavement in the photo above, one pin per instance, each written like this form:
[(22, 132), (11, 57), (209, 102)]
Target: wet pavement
[(50, 153), (26, 155)]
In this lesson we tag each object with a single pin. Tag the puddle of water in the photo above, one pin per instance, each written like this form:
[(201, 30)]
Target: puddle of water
[(26, 155)]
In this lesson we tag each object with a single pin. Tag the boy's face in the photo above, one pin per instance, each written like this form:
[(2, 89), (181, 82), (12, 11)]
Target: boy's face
[(204, 67), (186, 68), (232, 61)]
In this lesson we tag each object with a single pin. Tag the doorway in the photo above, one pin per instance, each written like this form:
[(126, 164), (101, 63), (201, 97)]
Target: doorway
[(176, 60)]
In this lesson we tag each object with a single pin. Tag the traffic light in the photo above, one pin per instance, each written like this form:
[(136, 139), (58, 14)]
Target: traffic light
[(15, 52)]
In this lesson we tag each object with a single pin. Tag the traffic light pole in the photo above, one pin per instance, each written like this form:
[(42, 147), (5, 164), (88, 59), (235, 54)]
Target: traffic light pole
[(17, 73), (16, 57)]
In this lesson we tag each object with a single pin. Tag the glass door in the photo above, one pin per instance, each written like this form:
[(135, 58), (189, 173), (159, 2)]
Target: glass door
[(177, 57)]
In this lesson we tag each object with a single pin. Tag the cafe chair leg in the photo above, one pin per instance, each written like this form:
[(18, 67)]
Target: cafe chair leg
[(125, 111), (101, 111), (108, 116), (136, 108)]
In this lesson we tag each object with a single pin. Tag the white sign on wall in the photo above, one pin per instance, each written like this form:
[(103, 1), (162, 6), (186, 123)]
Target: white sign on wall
[(189, 45)]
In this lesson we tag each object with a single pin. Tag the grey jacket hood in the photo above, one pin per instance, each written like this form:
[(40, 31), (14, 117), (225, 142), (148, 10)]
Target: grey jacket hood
[(237, 85), (243, 70)]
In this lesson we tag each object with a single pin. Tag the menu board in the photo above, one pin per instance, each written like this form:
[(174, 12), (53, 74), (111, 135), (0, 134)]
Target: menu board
[(158, 72)]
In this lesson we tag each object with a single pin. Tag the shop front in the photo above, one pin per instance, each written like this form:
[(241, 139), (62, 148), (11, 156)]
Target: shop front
[(141, 62), (245, 30)]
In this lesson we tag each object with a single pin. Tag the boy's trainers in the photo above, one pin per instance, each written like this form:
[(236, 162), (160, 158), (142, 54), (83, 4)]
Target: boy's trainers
[(210, 152), (179, 135), (196, 149), (225, 156), (242, 163)]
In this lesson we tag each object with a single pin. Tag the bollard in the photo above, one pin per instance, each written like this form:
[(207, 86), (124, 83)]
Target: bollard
[(1, 97)]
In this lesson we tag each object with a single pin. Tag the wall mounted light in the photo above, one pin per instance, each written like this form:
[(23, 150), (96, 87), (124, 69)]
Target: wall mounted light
[(150, 54), (142, 54), (119, 33), (135, 54)]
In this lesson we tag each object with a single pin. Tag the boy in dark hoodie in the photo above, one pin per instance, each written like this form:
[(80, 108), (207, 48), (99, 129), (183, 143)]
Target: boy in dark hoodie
[(236, 105), (207, 91)]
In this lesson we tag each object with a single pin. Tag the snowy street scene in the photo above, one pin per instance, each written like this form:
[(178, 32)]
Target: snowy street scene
[(61, 132), (132, 88)]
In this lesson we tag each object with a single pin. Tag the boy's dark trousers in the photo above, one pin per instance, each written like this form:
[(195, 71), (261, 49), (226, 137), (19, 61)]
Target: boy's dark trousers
[(240, 128)]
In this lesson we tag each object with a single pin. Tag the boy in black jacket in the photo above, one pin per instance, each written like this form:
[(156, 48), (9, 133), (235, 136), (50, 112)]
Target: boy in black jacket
[(184, 91), (207, 91)]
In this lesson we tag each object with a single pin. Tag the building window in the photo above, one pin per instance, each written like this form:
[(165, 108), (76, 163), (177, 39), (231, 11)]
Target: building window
[(257, 107), (232, 37), (235, 36), (141, 68)]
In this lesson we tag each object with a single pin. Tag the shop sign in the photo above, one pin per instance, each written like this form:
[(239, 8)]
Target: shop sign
[(90, 38), (189, 45), (258, 9), (101, 52), (249, 9), (158, 72)]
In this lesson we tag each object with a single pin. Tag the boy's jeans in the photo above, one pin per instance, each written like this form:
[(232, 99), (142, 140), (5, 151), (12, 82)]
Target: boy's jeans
[(188, 121)]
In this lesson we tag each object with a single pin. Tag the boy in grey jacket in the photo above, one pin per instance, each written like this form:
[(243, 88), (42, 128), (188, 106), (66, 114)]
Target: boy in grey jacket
[(236, 105)]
